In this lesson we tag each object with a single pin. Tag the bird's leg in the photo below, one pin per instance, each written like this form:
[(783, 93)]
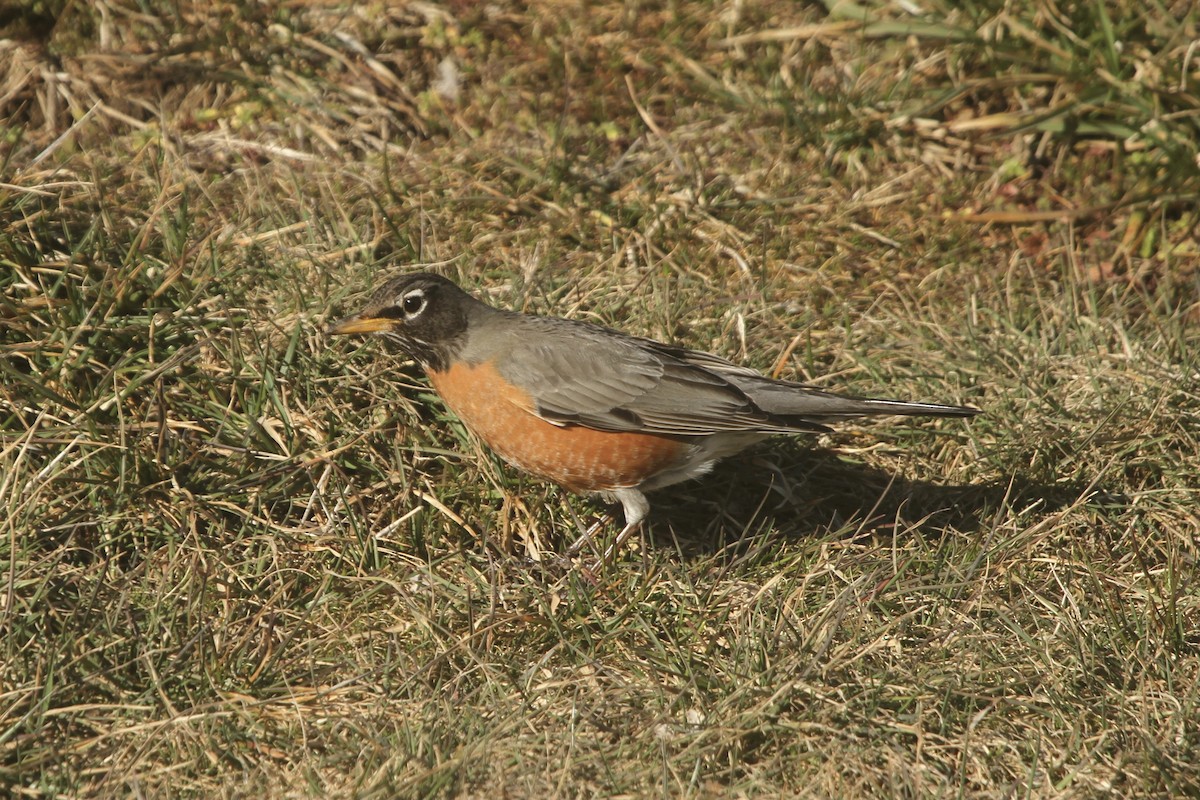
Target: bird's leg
[(588, 535), (629, 529), (636, 508)]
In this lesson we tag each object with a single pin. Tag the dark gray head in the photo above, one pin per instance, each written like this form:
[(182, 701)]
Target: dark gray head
[(425, 314)]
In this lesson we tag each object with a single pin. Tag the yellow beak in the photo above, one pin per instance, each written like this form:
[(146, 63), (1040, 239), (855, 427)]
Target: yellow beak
[(360, 324)]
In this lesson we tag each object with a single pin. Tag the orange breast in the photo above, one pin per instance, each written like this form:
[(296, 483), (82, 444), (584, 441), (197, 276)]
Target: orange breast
[(581, 459)]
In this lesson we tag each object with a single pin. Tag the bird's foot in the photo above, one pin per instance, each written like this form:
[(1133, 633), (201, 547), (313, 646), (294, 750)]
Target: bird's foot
[(588, 535), (612, 549)]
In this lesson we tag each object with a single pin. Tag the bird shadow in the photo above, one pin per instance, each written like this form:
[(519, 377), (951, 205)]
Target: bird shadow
[(815, 493)]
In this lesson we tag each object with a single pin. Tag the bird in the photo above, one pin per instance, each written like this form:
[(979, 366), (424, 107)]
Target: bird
[(591, 408)]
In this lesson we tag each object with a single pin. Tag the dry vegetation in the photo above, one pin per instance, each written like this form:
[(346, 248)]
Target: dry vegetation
[(238, 557)]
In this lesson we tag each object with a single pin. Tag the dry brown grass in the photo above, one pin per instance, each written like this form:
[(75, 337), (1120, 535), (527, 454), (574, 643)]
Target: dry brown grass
[(240, 558)]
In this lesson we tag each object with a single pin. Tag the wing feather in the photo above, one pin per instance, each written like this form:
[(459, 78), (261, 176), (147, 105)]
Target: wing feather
[(612, 382)]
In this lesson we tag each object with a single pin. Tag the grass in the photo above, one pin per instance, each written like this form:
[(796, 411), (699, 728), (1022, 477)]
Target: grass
[(237, 556)]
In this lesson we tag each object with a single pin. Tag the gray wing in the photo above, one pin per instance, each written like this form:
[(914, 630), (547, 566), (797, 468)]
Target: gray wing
[(619, 386), (586, 375)]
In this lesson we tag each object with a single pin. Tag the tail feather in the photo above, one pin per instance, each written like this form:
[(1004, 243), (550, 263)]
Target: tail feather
[(876, 406), (797, 403)]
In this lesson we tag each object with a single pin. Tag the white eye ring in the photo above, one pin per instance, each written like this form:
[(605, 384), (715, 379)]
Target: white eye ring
[(413, 303)]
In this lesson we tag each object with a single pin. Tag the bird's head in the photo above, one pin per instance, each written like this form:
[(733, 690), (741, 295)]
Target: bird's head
[(426, 315)]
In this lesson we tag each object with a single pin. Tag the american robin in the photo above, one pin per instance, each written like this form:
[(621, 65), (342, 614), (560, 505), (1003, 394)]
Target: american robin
[(591, 408)]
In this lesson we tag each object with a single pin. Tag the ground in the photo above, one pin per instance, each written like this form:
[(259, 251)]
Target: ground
[(241, 556)]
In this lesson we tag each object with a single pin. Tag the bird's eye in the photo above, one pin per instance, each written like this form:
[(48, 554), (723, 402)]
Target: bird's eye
[(413, 304)]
